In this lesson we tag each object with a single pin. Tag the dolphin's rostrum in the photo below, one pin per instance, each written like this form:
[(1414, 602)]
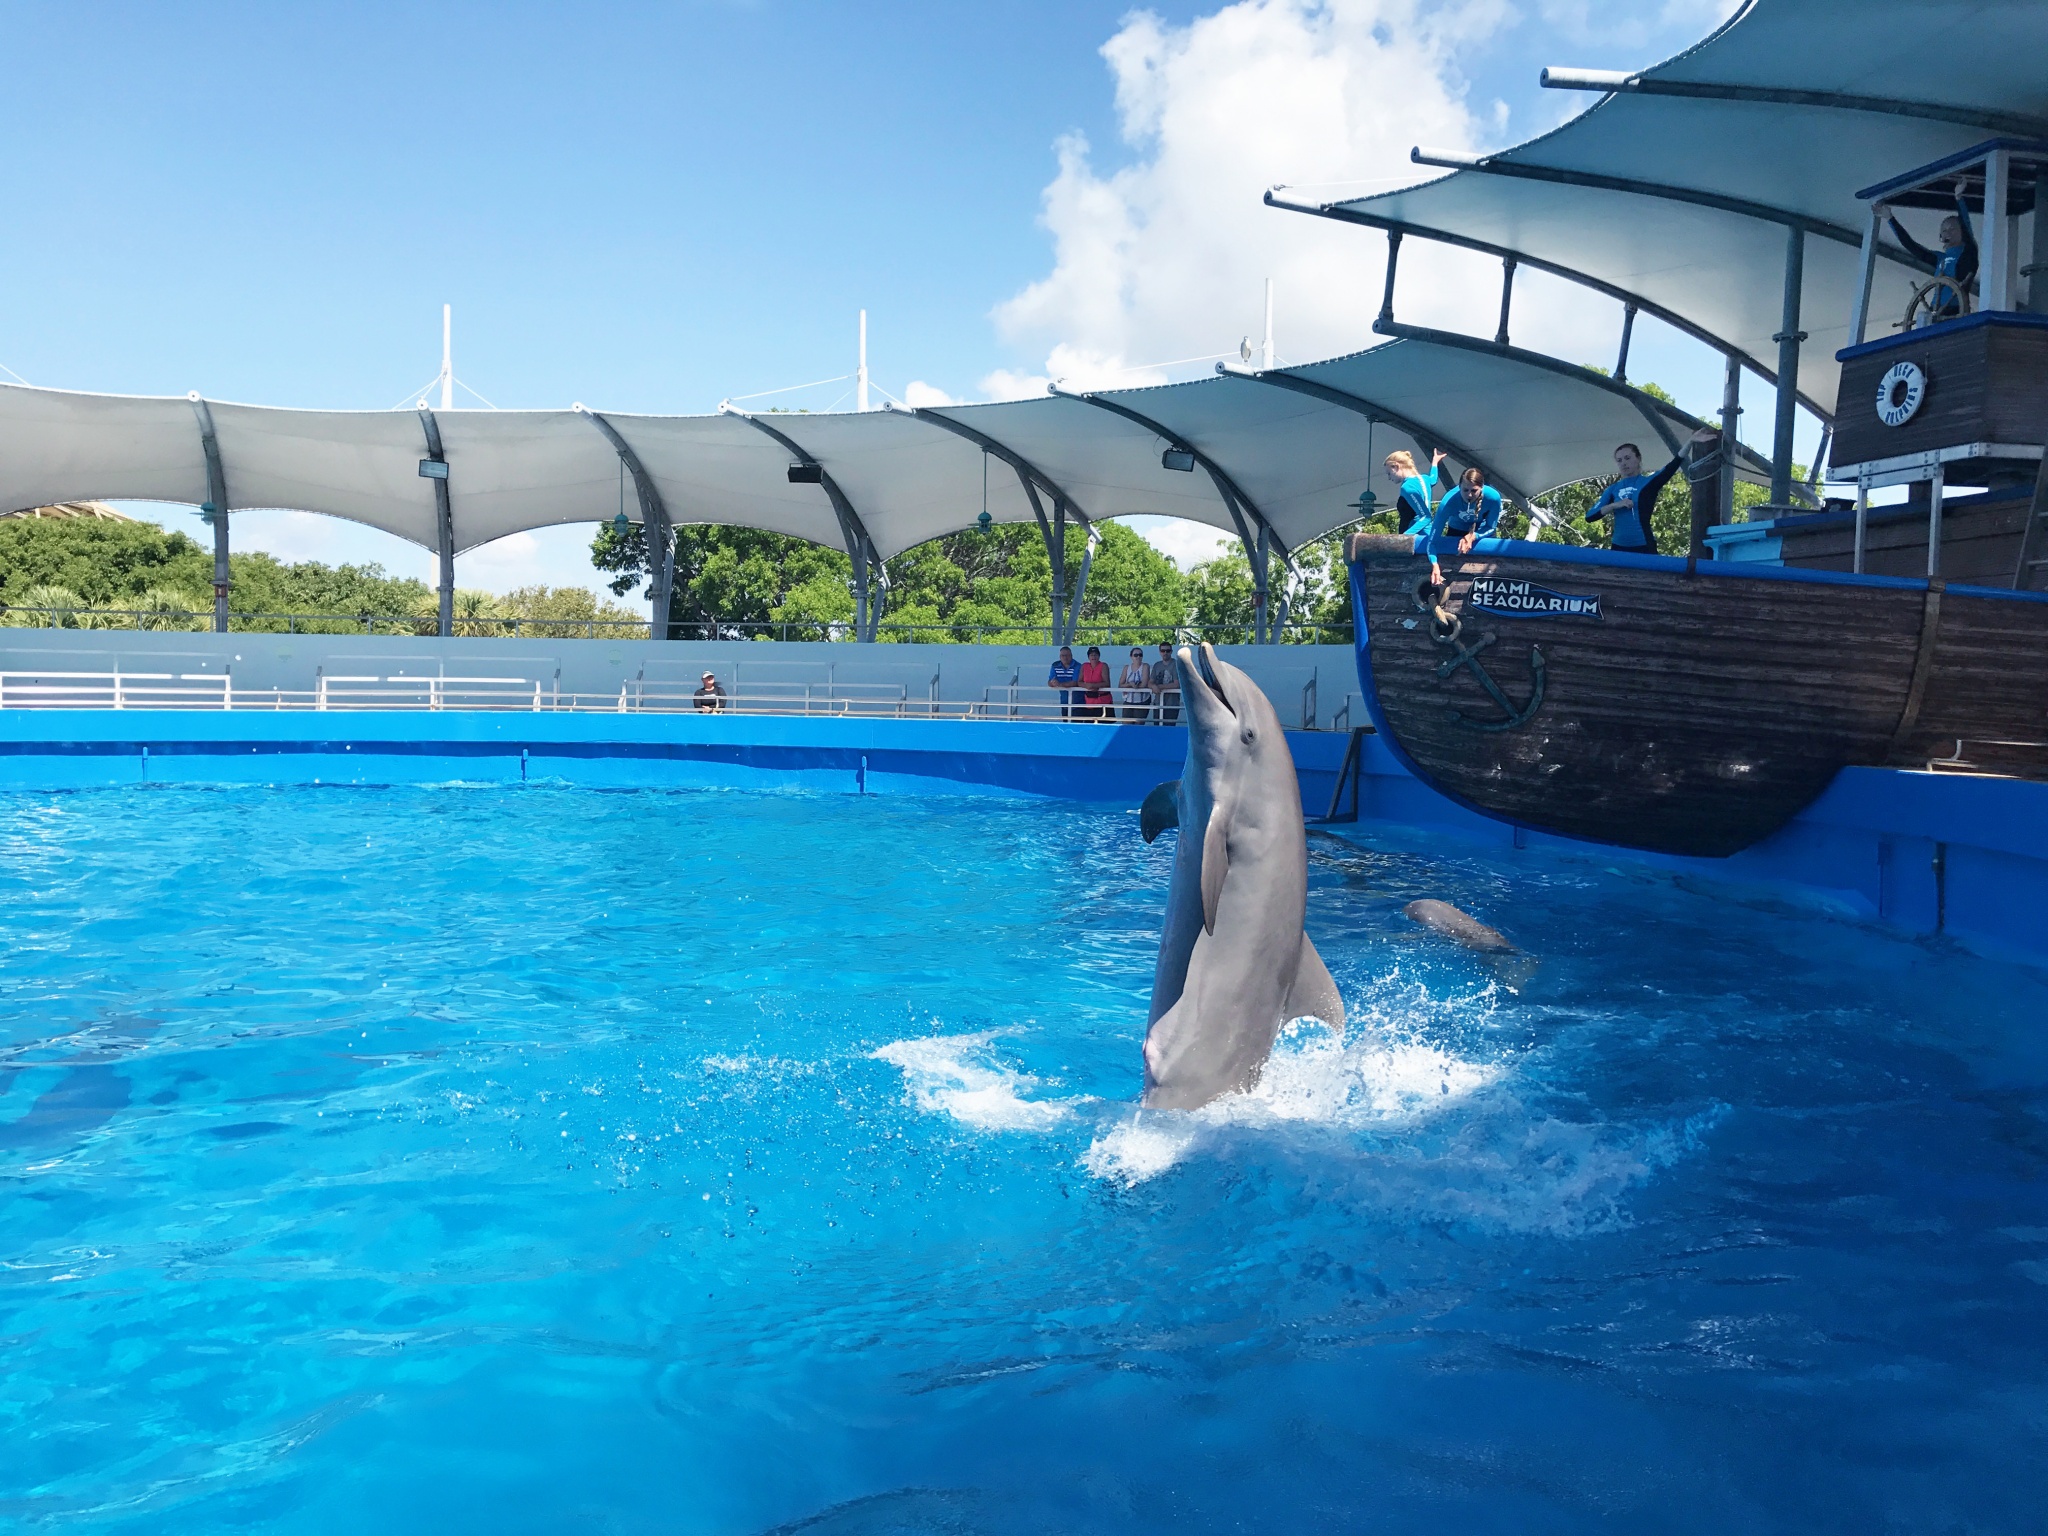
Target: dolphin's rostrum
[(1234, 964)]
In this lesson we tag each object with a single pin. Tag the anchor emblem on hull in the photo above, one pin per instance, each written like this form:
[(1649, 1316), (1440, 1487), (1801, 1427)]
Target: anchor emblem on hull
[(1468, 656), (1445, 628)]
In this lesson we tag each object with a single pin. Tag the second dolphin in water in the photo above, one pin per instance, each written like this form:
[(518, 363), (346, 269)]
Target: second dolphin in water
[(1441, 917), (1234, 964)]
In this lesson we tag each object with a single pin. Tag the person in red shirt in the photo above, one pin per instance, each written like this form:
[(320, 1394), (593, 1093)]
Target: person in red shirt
[(1097, 703)]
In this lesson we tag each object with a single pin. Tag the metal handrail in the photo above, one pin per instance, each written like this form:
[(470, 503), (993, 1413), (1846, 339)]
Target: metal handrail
[(361, 692)]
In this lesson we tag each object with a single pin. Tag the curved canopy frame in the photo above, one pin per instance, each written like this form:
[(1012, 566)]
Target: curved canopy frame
[(1674, 192), (1285, 455)]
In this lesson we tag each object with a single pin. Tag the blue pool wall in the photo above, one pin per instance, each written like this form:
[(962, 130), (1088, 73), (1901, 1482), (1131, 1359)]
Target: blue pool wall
[(1959, 856)]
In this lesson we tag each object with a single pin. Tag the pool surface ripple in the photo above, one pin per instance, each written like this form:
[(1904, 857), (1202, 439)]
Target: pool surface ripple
[(543, 1159)]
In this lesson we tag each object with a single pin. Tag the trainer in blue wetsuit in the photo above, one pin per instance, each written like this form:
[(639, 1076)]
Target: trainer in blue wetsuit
[(1956, 260), (1470, 511), (1631, 499), (1415, 502)]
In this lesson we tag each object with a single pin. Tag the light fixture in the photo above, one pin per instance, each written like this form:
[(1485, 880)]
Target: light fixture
[(206, 511), (806, 474), (1367, 504), (433, 469), (1182, 459), (621, 523), (986, 521)]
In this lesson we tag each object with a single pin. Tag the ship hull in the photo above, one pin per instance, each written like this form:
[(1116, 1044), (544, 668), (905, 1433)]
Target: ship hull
[(1634, 701)]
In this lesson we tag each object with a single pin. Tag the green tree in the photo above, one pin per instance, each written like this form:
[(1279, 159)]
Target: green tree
[(103, 563), (728, 580), (964, 586)]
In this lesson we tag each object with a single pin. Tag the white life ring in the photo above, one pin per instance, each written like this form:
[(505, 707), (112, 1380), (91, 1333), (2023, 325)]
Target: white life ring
[(1900, 392)]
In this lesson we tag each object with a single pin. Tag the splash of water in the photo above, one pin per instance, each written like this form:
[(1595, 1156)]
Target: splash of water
[(958, 1075)]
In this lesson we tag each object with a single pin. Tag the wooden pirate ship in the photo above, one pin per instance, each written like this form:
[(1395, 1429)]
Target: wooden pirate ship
[(1694, 705)]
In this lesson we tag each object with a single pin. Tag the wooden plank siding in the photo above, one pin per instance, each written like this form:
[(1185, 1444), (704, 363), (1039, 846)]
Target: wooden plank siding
[(1700, 711)]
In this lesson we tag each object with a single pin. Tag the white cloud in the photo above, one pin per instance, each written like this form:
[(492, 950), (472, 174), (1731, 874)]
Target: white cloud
[(918, 393), (1167, 257)]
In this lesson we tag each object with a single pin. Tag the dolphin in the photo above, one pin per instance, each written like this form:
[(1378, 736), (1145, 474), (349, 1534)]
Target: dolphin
[(1234, 964), (1441, 917)]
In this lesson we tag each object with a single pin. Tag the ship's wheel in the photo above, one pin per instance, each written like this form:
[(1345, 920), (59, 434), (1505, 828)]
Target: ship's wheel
[(1930, 299)]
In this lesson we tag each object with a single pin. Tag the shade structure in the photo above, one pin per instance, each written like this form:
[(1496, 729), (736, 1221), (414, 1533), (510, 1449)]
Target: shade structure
[(1295, 447), (1679, 190)]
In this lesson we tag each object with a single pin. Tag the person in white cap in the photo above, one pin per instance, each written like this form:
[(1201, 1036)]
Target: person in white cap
[(709, 694)]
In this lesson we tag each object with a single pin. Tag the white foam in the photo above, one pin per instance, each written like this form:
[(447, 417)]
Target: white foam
[(1366, 1080), (957, 1075), (1401, 1117)]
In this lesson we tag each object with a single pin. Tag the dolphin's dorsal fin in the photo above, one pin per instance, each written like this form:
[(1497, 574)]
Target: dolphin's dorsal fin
[(1314, 994), (1215, 864), (1160, 810)]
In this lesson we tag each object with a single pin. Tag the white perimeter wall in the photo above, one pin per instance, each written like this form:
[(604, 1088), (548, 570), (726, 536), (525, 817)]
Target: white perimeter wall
[(962, 673)]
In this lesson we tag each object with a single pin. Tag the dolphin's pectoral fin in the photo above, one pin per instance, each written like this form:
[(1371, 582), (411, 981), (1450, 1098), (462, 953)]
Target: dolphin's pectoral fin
[(1215, 865), (1314, 994), (1160, 810)]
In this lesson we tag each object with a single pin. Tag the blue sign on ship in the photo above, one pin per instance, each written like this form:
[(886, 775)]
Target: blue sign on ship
[(1526, 600)]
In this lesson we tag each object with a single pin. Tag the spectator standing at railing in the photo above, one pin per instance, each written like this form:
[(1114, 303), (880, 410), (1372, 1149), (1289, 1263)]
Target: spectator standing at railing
[(1097, 702), (1136, 684), (1065, 673), (1166, 684), (709, 695)]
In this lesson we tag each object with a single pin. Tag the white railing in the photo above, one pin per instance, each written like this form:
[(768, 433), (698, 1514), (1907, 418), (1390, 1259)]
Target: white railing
[(116, 690), (337, 692)]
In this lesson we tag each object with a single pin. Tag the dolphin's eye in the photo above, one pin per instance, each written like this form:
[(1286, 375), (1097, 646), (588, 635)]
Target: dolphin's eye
[(1248, 736)]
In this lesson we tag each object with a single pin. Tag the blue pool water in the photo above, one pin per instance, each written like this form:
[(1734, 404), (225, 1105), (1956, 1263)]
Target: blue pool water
[(542, 1160)]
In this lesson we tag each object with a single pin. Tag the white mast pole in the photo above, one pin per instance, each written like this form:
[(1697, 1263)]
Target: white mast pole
[(447, 357), (861, 374), (1266, 351)]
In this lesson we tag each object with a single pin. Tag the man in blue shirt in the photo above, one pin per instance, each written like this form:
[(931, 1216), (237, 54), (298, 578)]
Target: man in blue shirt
[(1065, 676), (1469, 512), (1630, 500)]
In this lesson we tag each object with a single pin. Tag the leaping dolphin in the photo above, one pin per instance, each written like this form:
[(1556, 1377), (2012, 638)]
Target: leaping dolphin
[(1234, 964)]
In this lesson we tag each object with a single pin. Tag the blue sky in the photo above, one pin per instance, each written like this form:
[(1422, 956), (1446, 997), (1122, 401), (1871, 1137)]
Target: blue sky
[(655, 207)]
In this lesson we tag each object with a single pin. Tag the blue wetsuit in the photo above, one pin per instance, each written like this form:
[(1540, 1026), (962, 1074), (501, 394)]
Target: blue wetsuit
[(1632, 499), (1413, 507), (1455, 517), (1958, 262)]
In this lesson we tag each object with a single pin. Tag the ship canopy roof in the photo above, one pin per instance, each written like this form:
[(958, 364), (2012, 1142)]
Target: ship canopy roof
[(1677, 189), (1291, 451)]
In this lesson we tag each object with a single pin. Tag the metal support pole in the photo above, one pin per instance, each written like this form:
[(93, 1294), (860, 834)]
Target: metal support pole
[(654, 525), (1996, 243), (2036, 271), (1628, 330), (444, 525), (1862, 523), (1934, 491), (1081, 585), (1258, 588), (1788, 338), (1056, 551), (1393, 262), (1859, 317), (1731, 413), (1507, 297), (216, 510)]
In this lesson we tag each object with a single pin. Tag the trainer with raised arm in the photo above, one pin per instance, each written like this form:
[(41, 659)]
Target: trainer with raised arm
[(1415, 501), (1469, 512), (1956, 260), (1630, 499)]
